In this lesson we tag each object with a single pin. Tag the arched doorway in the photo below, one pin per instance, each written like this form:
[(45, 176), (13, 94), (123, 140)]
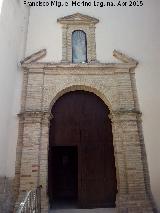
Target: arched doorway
[(81, 164)]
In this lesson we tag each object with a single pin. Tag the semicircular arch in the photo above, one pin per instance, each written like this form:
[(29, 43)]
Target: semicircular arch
[(84, 88)]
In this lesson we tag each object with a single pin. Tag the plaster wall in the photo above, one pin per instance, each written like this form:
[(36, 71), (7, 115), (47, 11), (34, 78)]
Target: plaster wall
[(13, 28), (133, 31)]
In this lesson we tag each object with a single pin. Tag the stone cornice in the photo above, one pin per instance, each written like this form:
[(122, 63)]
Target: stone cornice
[(31, 63), (77, 18), (33, 113), (34, 57), (127, 112), (48, 66), (124, 58), (34, 116), (118, 114), (125, 115)]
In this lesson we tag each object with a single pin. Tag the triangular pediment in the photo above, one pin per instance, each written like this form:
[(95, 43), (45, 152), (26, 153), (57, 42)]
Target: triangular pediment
[(77, 18), (34, 57), (124, 58)]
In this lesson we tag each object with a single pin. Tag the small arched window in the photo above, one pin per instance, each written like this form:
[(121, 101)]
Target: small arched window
[(79, 47)]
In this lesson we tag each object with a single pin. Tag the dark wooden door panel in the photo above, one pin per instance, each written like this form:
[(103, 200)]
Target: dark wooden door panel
[(63, 180), (81, 119)]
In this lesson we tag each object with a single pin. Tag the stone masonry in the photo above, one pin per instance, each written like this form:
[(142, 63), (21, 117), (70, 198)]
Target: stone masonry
[(74, 22), (115, 84), (44, 83)]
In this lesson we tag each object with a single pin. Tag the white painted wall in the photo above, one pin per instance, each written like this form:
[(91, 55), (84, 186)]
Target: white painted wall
[(13, 22), (1, 2), (134, 31)]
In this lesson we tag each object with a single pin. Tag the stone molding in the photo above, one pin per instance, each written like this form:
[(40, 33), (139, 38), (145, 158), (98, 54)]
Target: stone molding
[(124, 58), (31, 62), (34, 57), (77, 18), (48, 66), (34, 116), (40, 116), (124, 115), (74, 22)]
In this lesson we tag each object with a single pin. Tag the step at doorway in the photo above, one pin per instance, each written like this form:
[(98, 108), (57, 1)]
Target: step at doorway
[(100, 210)]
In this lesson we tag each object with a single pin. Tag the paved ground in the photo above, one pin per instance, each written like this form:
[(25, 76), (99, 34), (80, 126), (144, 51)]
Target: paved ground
[(106, 210)]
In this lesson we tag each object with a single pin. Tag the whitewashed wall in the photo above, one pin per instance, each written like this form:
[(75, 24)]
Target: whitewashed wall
[(133, 31), (13, 22)]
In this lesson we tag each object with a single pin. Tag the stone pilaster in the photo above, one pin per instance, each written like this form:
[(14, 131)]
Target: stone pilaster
[(132, 195), (64, 43), (29, 175), (91, 48), (43, 173), (34, 156)]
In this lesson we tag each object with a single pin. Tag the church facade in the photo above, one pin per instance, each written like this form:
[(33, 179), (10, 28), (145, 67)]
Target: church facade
[(45, 83), (80, 110)]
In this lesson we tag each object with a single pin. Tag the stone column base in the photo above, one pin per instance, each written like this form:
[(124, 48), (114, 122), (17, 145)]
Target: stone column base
[(134, 204), (44, 201)]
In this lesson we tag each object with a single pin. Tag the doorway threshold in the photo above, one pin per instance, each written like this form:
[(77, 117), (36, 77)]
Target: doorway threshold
[(60, 205), (99, 210)]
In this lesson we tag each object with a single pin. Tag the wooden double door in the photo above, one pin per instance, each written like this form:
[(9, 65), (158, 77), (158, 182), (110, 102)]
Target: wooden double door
[(81, 155)]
